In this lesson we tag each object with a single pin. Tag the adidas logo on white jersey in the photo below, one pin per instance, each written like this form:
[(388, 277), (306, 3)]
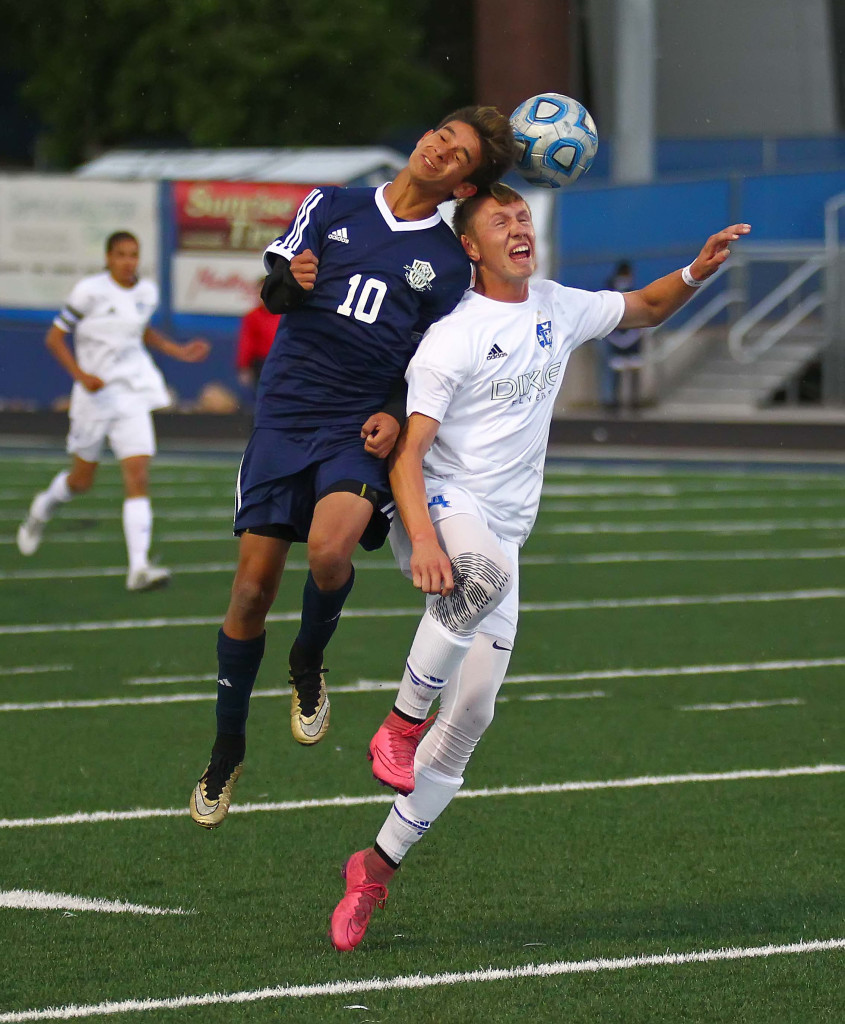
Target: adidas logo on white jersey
[(496, 353), (339, 235)]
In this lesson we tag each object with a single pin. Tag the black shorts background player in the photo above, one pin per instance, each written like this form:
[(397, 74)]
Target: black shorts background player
[(359, 274)]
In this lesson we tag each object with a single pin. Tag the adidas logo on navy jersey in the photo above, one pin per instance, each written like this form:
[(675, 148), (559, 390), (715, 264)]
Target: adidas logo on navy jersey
[(339, 235), (496, 353)]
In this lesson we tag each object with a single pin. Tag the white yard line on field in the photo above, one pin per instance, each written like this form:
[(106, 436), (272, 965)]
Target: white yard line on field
[(108, 494), (366, 685), (112, 514), (674, 601), (542, 789), (110, 536), (540, 697), (31, 670), (743, 705), (425, 981), (684, 505), (30, 899), (102, 536), (378, 685), (687, 526), (379, 565)]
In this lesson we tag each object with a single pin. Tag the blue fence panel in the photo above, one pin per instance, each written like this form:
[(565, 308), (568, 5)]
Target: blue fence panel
[(607, 224), (789, 206)]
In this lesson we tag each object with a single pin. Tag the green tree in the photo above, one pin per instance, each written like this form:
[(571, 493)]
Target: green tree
[(101, 73)]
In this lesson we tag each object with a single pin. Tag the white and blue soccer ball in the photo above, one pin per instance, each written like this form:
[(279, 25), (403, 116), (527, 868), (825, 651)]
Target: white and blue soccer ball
[(557, 139)]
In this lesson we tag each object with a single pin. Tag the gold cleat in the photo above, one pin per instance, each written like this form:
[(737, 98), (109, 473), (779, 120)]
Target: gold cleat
[(213, 793), (309, 705)]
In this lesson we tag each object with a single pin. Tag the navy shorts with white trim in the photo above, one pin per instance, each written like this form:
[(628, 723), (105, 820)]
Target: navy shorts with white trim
[(284, 473)]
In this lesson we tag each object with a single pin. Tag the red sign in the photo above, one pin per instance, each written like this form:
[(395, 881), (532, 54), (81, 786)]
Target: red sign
[(233, 215)]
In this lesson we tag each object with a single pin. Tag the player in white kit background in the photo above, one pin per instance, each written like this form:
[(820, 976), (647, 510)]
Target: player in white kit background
[(116, 387), (466, 478)]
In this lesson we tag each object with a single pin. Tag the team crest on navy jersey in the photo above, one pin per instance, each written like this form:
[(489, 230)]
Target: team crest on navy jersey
[(419, 275), (544, 333)]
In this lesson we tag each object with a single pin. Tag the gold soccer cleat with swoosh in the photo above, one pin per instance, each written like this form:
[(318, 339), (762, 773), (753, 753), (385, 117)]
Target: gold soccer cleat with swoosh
[(213, 793), (309, 701)]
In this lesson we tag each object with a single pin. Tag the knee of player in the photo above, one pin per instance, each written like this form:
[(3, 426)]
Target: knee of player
[(251, 594), (327, 561)]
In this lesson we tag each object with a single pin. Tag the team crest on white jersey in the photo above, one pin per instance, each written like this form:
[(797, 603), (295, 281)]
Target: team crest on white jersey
[(419, 275), (544, 333)]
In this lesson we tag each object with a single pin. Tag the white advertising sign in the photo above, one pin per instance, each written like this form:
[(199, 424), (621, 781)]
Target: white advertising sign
[(53, 231), (217, 284)]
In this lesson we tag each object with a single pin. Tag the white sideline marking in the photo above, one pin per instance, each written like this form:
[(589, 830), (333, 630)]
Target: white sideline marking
[(675, 601), (608, 558), (423, 981), (742, 705), (26, 899), (737, 526), (541, 789)]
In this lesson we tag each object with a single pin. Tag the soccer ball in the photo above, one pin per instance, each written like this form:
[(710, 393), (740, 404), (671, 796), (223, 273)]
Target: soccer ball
[(556, 137)]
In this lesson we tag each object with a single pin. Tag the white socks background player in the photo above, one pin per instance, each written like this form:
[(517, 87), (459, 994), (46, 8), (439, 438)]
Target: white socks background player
[(137, 526), (453, 658)]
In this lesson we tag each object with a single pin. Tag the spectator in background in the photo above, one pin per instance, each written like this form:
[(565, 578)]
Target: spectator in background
[(619, 353), (258, 329), (116, 387)]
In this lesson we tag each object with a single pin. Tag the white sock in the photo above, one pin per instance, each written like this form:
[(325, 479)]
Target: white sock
[(435, 655), (411, 816), (57, 493), (138, 531)]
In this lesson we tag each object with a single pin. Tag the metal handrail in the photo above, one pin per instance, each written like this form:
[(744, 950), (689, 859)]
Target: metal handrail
[(671, 341), (738, 333)]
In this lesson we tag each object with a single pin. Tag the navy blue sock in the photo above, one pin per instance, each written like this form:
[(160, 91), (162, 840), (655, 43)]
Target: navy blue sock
[(238, 662), (320, 615)]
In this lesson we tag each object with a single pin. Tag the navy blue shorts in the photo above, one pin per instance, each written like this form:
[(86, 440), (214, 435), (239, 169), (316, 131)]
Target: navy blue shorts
[(284, 474)]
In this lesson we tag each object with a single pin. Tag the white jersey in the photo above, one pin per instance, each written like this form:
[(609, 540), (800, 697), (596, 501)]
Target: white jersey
[(489, 372), (109, 322)]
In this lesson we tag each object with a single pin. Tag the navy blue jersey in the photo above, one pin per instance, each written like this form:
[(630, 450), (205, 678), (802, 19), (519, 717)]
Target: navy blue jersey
[(380, 283)]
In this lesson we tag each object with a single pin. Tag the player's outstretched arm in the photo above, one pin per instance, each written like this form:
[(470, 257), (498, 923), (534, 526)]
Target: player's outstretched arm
[(56, 342), (193, 351), (650, 306), (430, 566)]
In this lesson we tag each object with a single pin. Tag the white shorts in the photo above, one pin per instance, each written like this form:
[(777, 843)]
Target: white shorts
[(444, 501), (128, 436)]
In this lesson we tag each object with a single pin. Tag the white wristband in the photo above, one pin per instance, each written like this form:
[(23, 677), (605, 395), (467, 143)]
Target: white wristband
[(689, 280)]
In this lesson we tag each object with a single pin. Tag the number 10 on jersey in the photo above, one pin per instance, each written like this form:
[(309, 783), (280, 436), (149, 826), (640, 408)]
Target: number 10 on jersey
[(369, 299)]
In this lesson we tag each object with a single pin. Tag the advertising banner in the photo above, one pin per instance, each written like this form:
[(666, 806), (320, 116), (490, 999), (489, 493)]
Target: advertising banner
[(222, 229), (216, 283), (53, 231)]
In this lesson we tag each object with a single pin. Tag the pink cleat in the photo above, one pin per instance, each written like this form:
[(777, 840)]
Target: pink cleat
[(366, 874), (392, 751)]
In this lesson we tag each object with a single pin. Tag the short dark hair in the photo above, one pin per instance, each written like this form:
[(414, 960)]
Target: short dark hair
[(116, 237), (498, 146), (465, 209)]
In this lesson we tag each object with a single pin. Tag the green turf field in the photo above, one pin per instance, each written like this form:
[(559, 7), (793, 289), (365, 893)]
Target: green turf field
[(651, 830)]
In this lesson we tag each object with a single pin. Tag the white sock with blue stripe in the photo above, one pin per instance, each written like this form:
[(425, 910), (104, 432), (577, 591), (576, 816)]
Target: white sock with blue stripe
[(435, 655), (411, 816)]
